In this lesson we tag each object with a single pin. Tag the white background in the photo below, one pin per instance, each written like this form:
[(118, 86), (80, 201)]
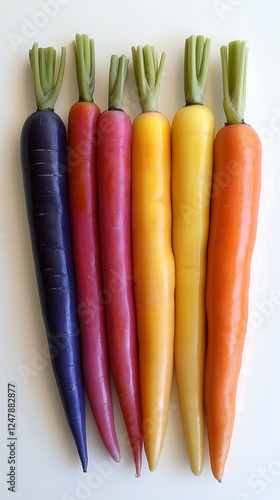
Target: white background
[(47, 464)]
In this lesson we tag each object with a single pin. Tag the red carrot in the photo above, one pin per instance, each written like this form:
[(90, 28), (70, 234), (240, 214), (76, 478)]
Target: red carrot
[(114, 188), (82, 190)]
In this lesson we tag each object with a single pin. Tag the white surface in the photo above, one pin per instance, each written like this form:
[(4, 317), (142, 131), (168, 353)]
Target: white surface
[(47, 464)]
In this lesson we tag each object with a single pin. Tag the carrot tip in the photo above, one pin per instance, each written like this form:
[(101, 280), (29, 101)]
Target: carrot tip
[(138, 469), (152, 466), (218, 476), (116, 455), (196, 472), (84, 465)]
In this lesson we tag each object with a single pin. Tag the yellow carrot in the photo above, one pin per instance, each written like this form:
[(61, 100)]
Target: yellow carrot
[(192, 165), (153, 261)]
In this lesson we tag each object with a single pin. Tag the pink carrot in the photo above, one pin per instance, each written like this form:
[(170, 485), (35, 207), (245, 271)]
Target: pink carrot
[(114, 188)]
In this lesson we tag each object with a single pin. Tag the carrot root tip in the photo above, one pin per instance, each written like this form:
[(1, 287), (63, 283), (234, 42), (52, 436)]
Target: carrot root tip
[(116, 456)]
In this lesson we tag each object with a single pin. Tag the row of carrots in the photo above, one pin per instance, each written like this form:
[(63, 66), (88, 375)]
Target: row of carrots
[(142, 238)]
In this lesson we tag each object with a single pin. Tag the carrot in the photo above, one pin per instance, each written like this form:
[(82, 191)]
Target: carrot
[(233, 225), (192, 166), (83, 203), (114, 189), (43, 158), (153, 261)]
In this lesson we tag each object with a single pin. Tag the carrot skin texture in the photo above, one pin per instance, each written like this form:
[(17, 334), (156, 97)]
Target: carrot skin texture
[(43, 157), (154, 273), (192, 169), (233, 226), (83, 203), (114, 190)]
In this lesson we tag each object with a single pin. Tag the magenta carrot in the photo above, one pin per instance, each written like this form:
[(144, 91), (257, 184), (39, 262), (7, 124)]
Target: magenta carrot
[(114, 189), (82, 192)]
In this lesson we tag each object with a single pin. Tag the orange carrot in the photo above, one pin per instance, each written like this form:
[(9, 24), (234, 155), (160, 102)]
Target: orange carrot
[(233, 225)]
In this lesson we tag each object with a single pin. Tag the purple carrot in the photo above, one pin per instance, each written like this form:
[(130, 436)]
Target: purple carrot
[(43, 158)]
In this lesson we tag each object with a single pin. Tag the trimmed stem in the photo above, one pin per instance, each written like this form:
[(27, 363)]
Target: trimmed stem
[(117, 78), (148, 76), (84, 51), (43, 66), (196, 62), (234, 73)]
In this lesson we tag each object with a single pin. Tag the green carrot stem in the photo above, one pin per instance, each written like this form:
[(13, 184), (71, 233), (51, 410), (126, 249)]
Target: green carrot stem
[(117, 78), (42, 62), (234, 61), (148, 76), (84, 51), (196, 62)]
